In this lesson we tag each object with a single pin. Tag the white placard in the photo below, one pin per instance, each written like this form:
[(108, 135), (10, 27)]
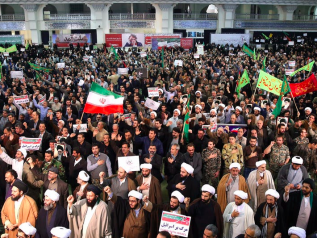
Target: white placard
[(131, 163), (266, 51), (258, 46), (263, 40), (87, 48), (200, 49), (16, 74), (153, 92), (149, 103), (31, 144), (143, 54), (86, 58), (178, 63), (235, 39), (305, 34), (21, 99), (42, 99), (60, 65), (291, 63), (196, 56), (122, 71), (291, 43), (289, 71), (5, 53), (257, 41), (22, 49), (83, 128), (175, 224)]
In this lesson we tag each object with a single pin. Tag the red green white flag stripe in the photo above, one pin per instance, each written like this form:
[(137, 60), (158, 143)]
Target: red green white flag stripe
[(102, 101)]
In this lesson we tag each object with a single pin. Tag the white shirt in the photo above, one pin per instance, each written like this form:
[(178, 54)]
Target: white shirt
[(89, 214), (16, 165), (77, 161), (17, 205)]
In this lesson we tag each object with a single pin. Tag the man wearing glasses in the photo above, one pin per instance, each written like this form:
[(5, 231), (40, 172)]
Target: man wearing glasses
[(252, 231)]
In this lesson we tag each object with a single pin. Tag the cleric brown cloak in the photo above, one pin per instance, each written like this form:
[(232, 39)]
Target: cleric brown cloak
[(222, 194), (155, 193)]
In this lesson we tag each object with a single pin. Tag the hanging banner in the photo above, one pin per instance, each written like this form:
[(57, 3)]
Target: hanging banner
[(187, 43), (158, 43), (148, 37), (63, 40), (234, 39)]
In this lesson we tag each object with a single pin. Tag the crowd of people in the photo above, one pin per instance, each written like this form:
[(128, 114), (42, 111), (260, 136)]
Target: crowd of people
[(238, 171)]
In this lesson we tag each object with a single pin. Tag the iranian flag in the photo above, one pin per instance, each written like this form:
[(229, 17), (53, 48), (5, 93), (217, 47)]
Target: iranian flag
[(102, 101)]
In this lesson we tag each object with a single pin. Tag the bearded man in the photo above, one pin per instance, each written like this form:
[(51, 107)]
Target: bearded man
[(51, 215)]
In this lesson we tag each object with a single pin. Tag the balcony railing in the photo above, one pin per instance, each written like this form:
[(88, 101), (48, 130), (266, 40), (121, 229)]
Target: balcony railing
[(134, 16), (12, 18), (54, 17), (195, 16), (257, 17), (305, 18)]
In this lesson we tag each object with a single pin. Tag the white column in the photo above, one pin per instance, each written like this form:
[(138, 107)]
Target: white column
[(158, 18), (100, 20), (221, 18), (230, 10), (289, 12), (30, 11), (167, 17)]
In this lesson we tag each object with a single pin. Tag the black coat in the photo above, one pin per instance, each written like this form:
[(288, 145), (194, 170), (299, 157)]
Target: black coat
[(73, 170), (291, 210), (45, 140), (171, 169), (156, 165), (41, 223), (192, 189)]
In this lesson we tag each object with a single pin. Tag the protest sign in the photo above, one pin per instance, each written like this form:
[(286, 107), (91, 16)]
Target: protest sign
[(153, 91), (122, 71), (131, 163), (83, 128), (233, 128), (143, 54), (31, 143), (16, 74), (178, 63), (289, 71), (21, 99), (42, 99), (141, 73), (149, 103), (175, 224), (196, 56), (86, 58), (60, 65), (291, 63), (59, 148)]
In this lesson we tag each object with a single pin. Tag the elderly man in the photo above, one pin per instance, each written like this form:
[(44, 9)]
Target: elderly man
[(301, 207), (259, 181), (80, 191), (211, 231), (134, 217), (173, 206), (172, 122), (149, 185), (204, 211), (185, 183), (60, 232), (51, 215), (17, 163), (230, 183), (232, 153), (89, 217), (296, 232), (18, 209), (120, 185), (252, 231), (26, 230), (238, 216), (237, 113), (269, 216), (173, 162), (292, 174)]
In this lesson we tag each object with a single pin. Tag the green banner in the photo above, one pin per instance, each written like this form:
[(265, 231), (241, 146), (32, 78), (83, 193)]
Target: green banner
[(307, 67), (269, 83), (36, 67), (244, 80), (264, 65), (2, 50), (12, 49), (247, 50), (265, 36), (284, 90), (186, 120)]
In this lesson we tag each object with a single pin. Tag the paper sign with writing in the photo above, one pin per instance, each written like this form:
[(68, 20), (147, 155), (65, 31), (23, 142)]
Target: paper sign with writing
[(149, 103), (83, 128), (16, 74), (153, 91), (42, 99), (175, 224), (132, 163), (289, 71), (196, 56), (178, 63), (60, 65), (86, 58), (21, 99), (143, 54), (291, 63), (122, 71), (31, 143)]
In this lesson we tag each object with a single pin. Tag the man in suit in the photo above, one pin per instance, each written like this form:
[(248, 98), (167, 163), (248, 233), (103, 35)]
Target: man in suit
[(46, 137), (70, 117), (173, 138), (83, 145), (75, 163), (33, 125), (173, 162), (155, 160), (194, 159), (69, 105), (51, 181)]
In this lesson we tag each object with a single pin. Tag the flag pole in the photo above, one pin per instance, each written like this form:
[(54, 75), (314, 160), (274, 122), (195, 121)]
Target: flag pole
[(81, 119), (294, 103)]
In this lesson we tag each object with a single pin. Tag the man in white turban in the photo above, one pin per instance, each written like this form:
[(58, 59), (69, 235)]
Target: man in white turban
[(26, 230), (81, 190), (238, 216), (270, 217), (230, 183), (296, 232), (204, 211), (292, 174), (60, 232), (52, 214), (259, 181)]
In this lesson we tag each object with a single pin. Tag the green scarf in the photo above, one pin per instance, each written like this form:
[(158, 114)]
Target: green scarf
[(310, 197)]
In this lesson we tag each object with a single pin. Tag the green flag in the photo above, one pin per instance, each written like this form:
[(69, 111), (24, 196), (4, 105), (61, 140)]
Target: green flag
[(258, 56), (36, 67), (247, 50), (163, 57), (186, 120), (38, 75), (12, 49), (266, 37), (269, 83), (2, 50), (284, 90), (264, 64), (27, 46), (244, 80), (307, 67), (254, 55), (113, 50), (0, 70)]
